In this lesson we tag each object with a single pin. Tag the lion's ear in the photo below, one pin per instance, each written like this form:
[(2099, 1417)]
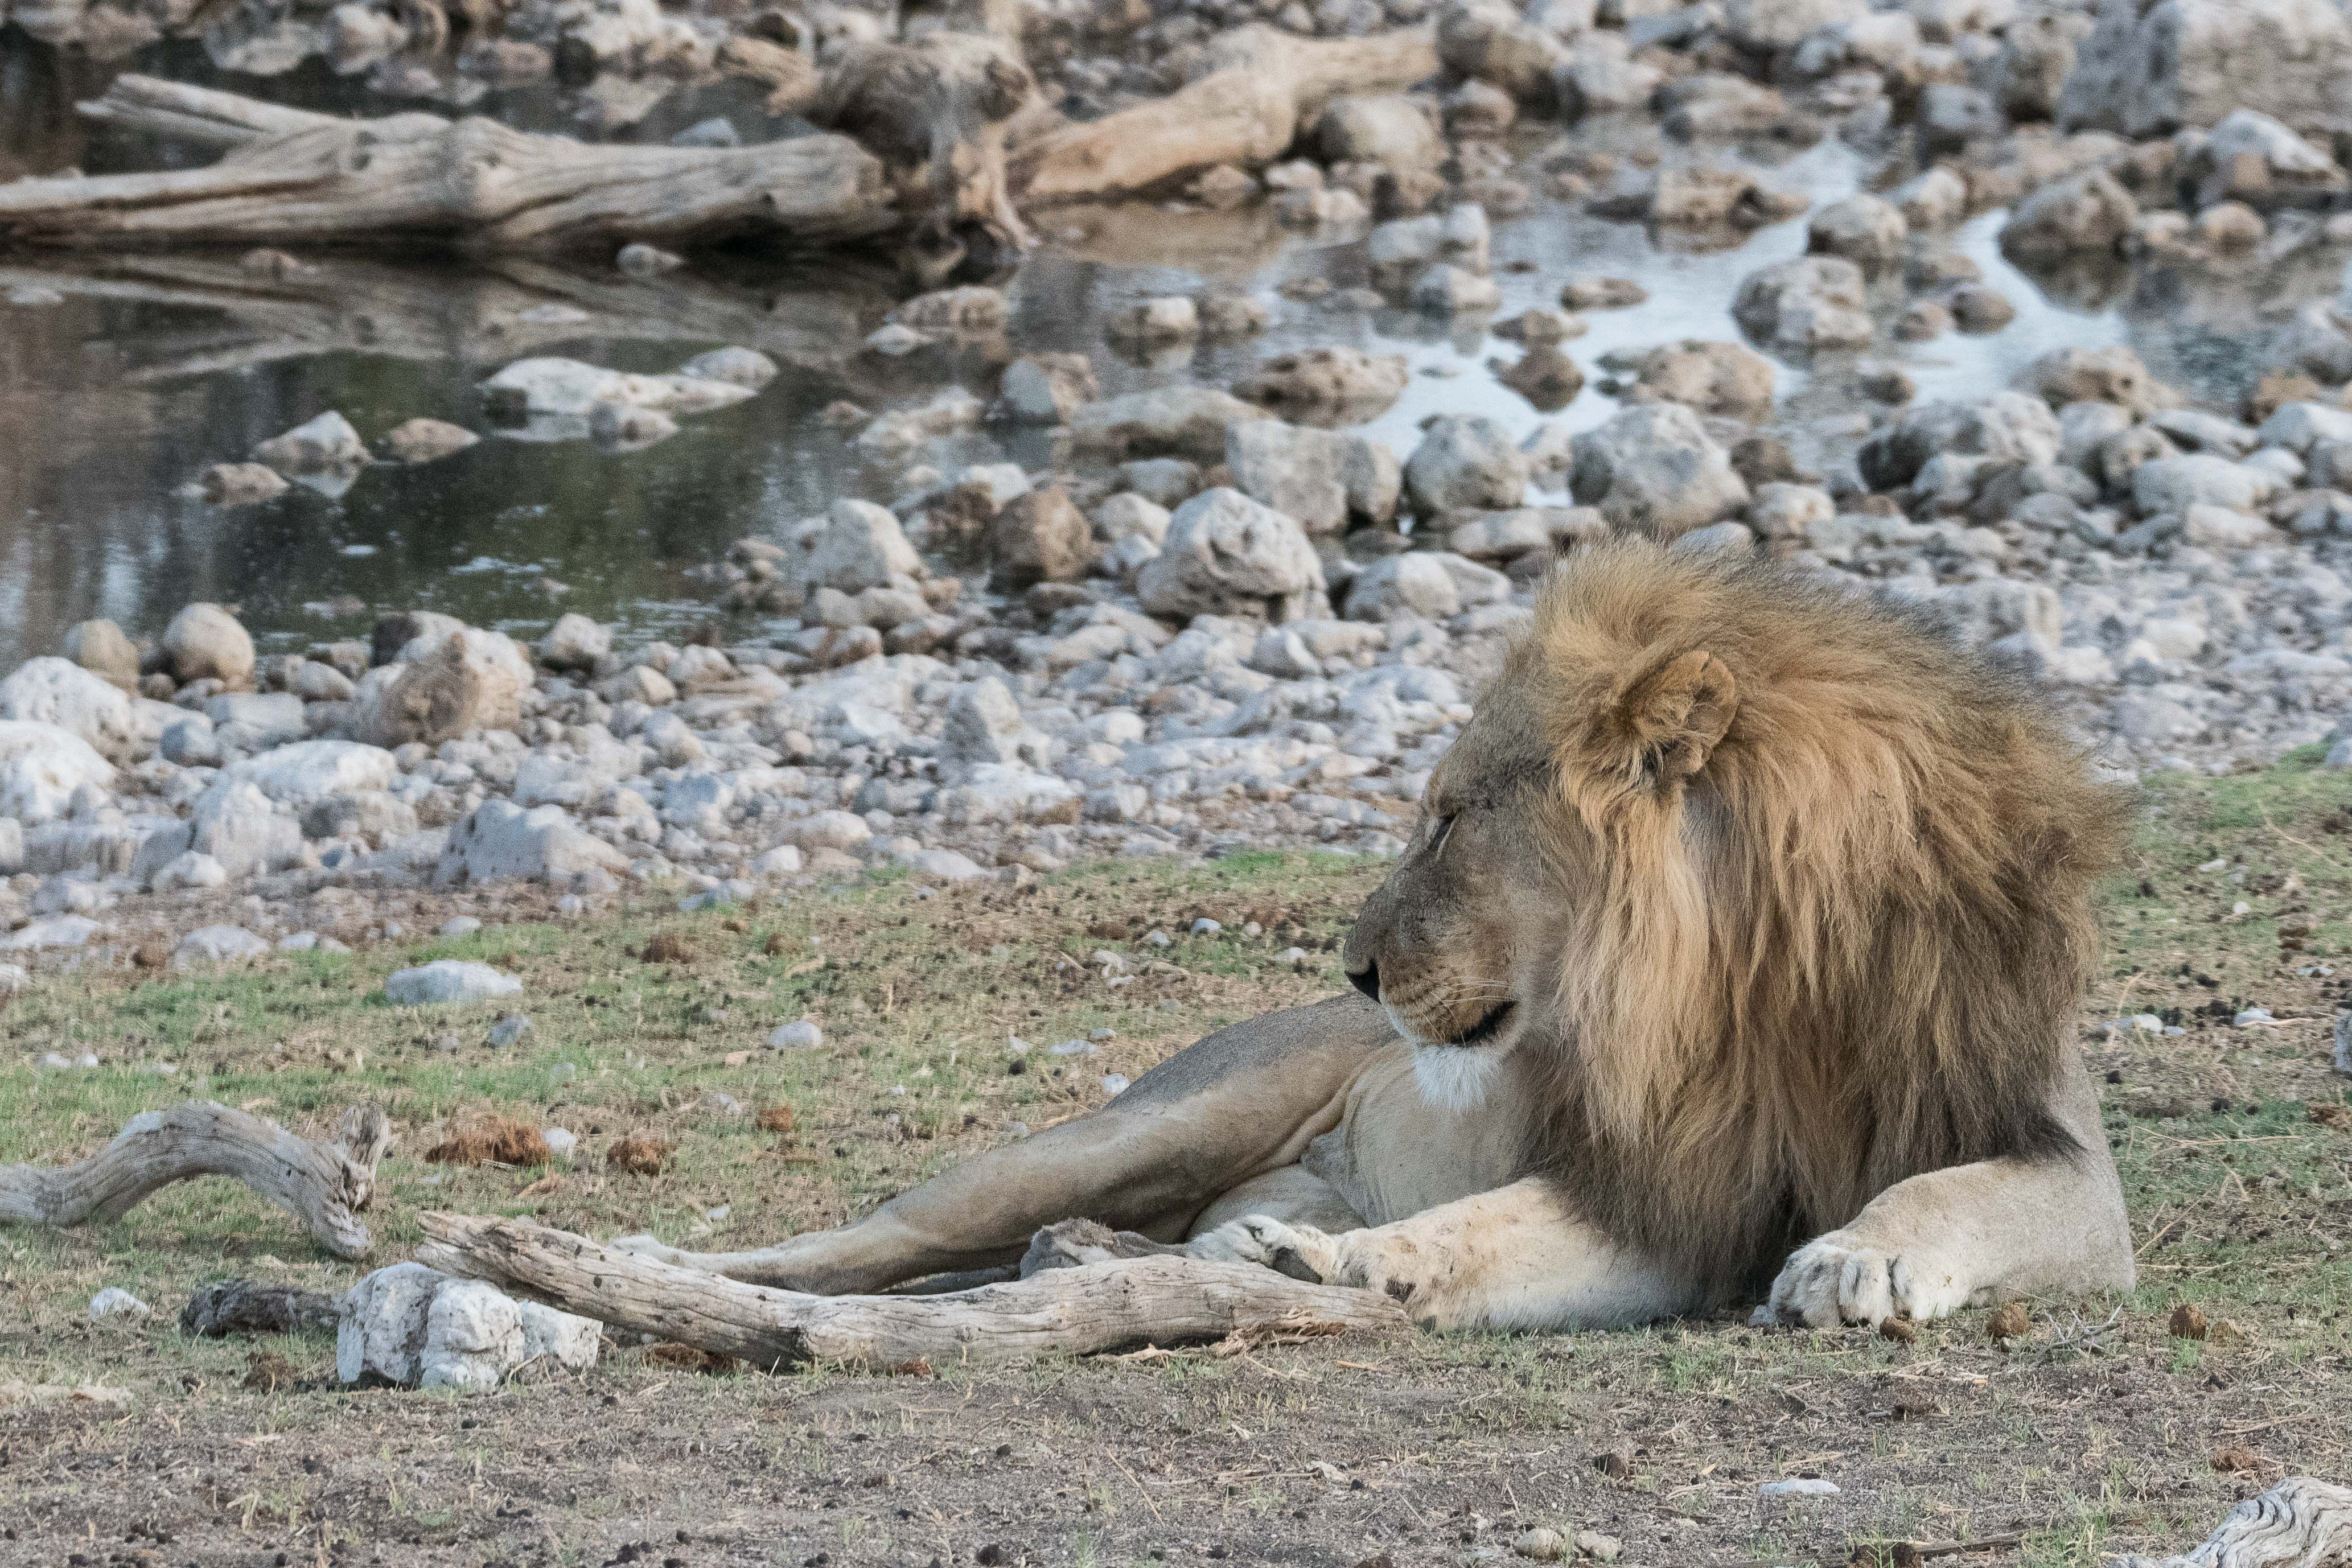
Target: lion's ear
[(1675, 713)]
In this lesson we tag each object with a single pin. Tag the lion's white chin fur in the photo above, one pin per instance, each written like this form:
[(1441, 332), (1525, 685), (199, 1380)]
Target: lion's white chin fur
[(1455, 1078)]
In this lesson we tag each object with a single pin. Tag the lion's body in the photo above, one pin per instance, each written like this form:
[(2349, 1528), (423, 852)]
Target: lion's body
[(1742, 913)]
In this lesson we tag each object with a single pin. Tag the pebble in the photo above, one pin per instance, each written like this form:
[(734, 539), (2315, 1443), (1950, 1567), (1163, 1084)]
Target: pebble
[(447, 982), (561, 1141), (800, 1035), (114, 1301), (1115, 1083), (1803, 1485), (511, 1029)]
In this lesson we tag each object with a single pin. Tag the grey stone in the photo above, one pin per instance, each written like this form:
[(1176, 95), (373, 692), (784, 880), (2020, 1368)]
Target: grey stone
[(62, 693), (2147, 69), (447, 982), (502, 842), (327, 441), (218, 944), (205, 641), (41, 767), (1224, 554), (413, 1327), (1654, 468), (1466, 462), (1808, 302)]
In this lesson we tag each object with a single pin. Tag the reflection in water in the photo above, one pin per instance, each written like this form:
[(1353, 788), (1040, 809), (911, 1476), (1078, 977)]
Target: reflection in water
[(155, 367)]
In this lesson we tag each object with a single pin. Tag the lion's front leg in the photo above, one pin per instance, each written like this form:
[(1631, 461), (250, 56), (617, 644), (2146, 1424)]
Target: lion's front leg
[(1516, 1258), (1972, 1235)]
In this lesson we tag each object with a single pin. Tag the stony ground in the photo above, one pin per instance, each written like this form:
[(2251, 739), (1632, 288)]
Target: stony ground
[(1104, 574), (2096, 1430)]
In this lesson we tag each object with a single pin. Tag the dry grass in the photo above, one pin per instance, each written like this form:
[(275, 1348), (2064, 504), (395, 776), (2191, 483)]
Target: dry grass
[(2081, 1428)]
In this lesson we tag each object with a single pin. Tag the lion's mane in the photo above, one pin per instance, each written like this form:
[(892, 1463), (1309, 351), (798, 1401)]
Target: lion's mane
[(1849, 949)]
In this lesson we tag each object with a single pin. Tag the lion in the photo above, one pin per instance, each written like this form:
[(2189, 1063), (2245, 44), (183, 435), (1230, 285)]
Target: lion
[(1734, 955)]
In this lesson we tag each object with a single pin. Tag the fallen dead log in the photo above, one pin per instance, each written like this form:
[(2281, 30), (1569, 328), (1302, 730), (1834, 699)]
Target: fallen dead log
[(294, 177), (324, 1185), (2298, 1523), (1268, 86), (1159, 1301)]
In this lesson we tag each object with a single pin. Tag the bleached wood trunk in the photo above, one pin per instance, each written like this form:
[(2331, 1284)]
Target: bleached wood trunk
[(1063, 1312), (324, 1185), (294, 177), (2298, 1523), (1268, 87)]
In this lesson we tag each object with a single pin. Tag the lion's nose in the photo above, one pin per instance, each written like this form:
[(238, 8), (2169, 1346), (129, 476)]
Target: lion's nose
[(1366, 980)]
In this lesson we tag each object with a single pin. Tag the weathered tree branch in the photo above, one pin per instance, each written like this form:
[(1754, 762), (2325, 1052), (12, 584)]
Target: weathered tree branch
[(293, 177), (1063, 1312), (2298, 1523), (1248, 111), (324, 1185)]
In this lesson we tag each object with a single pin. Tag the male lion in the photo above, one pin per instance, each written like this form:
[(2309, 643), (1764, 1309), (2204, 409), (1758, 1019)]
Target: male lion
[(1745, 912)]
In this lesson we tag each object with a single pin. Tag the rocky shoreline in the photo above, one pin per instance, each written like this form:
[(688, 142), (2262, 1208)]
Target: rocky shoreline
[(1217, 617)]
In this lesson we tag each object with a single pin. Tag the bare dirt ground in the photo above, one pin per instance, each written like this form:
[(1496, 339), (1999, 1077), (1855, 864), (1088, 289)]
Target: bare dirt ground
[(2096, 1431)]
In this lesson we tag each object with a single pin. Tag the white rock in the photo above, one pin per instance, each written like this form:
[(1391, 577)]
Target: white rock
[(205, 641), (1004, 792), (1654, 468), (1413, 583), (1225, 554), (411, 1326), (327, 442), (561, 1141), (502, 842), (574, 642), (944, 865), (114, 1301), (447, 981), (743, 367), (1805, 303), (218, 944), (1466, 462), (2147, 69), (861, 546), (559, 386), (803, 1034), (1803, 1485), (984, 723), (56, 932), (41, 767), (2200, 479), (308, 772), (831, 830), (58, 691)]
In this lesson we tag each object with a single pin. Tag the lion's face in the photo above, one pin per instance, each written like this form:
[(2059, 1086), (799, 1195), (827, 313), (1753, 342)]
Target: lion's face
[(1462, 944)]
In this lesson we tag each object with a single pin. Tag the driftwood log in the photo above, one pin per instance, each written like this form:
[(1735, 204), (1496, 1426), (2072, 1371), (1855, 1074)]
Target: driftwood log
[(2298, 1523), (294, 177), (1268, 86), (1158, 1301), (931, 142), (324, 1184)]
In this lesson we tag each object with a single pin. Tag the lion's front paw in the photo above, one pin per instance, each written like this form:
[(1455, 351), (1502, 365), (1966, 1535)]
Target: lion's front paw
[(1300, 1251), (1840, 1278)]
